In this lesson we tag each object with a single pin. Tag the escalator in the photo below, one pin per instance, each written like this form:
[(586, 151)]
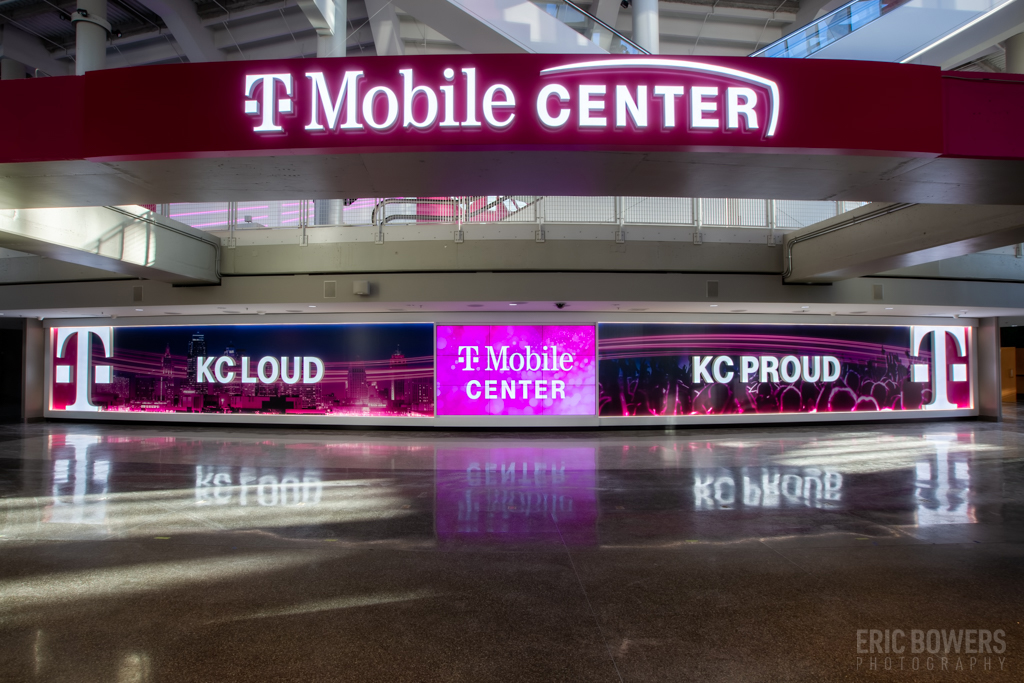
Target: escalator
[(935, 32), (510, 26), (592, 28)]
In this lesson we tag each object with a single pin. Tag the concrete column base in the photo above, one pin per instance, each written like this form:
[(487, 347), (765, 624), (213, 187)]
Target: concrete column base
[(990, 395)]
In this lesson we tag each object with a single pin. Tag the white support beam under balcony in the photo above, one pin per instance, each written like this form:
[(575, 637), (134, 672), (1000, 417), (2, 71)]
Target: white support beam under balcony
[(122, 239), (881, 237)]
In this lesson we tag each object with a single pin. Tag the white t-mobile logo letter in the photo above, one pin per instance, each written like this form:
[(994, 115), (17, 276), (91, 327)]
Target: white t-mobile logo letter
[(83, 362), (919, 372), (270, 105), (469, 356)]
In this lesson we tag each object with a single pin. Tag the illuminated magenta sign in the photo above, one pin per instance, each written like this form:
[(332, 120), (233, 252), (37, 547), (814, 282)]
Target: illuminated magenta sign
[(516, 370), (529, 102), (653, 94)]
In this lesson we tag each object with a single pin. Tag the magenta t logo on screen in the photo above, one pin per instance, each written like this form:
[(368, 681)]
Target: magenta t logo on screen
[(516, 370)]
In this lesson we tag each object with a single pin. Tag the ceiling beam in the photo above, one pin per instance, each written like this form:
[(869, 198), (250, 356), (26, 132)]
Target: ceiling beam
[(196, 40), (387, 33), (271, 26), (29, 50)]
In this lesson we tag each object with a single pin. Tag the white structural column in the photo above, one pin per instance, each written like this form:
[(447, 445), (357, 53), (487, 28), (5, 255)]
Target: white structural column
[(1015, 54), (33, 373), (645, 25), (990, 391), (332, 40), (330, 19), (91, 31)]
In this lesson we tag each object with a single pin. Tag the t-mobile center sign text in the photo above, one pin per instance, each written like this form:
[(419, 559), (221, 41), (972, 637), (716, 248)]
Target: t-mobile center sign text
[(515, 370)]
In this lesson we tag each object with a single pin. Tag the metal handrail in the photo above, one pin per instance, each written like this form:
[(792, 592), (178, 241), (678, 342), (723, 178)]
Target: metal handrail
[(604, 25), (520, 210), (825, 20), (850, 222), (145, 218), (380, 221)]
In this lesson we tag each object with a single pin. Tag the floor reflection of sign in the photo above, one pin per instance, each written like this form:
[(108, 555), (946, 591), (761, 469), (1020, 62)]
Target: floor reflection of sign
[(80, 481), (263, 486), (942, 485), (517, 494), (766, 487)]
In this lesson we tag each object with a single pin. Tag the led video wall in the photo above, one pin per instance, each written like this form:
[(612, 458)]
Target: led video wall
[(672, 371), (373, 370), (516, 369), (733, 369)]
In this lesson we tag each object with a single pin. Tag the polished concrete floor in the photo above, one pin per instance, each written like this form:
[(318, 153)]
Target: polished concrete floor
[(131, 554)]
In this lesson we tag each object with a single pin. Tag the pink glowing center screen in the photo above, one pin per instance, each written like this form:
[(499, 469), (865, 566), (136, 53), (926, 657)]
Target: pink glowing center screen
[(516, 370)]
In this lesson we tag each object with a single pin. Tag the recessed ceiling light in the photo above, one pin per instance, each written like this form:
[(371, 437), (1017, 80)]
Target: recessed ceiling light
[(714, 305), (805, 307), (312, 306), (513, 304), (888, 308), (138, 309)]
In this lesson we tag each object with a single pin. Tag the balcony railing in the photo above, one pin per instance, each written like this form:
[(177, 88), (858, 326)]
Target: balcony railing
[(395, 212)]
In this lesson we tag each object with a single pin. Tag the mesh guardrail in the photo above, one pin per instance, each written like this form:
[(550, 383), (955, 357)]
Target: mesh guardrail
[(505, 209)]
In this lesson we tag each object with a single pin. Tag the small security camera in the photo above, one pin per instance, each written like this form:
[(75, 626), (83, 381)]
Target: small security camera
[(560, 304)]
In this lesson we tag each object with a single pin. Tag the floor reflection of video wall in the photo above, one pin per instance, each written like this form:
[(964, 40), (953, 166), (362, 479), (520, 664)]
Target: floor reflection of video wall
[(508, 493), (577, 491), (655, 370)]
